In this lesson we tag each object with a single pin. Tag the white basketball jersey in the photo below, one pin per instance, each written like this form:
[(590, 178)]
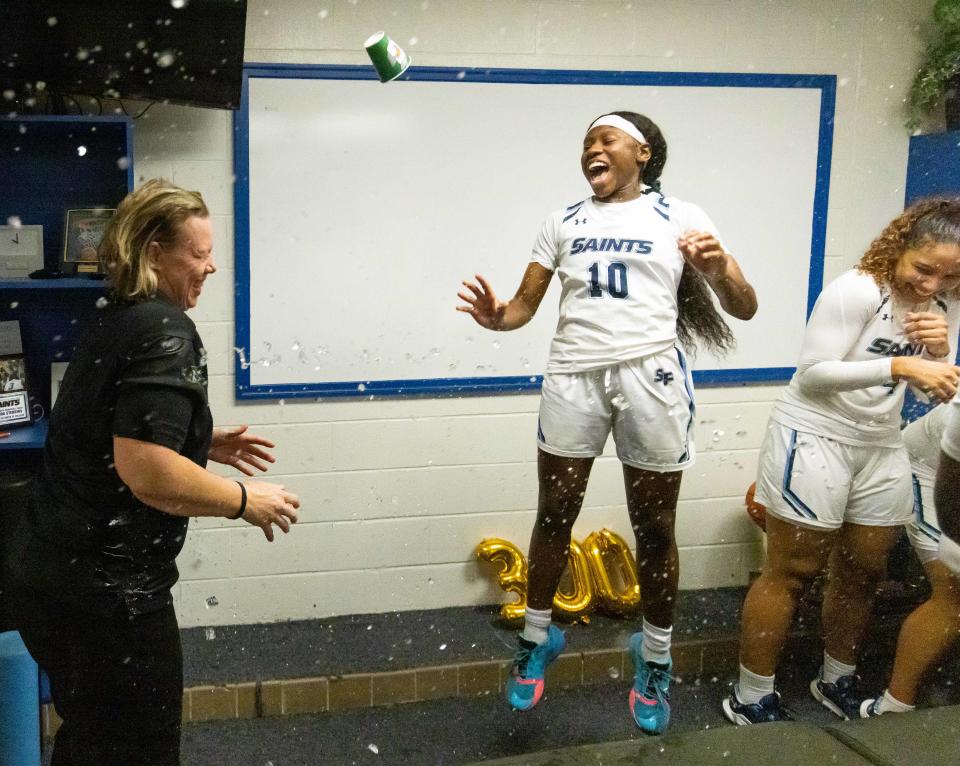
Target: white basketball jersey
[(619, 267), (858, 322)]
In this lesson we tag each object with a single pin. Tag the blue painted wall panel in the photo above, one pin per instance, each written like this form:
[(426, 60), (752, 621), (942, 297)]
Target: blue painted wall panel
[(933, 166)]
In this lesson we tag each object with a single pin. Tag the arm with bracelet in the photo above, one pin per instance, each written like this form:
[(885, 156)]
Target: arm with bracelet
[(169, 482)]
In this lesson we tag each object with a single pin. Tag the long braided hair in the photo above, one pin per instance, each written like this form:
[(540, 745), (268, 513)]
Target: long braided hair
[(698, 318), (932, 220)]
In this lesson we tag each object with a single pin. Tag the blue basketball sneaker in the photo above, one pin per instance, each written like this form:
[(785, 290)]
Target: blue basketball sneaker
[(650, 695), (525, 684), (840, 698), (767, 710)]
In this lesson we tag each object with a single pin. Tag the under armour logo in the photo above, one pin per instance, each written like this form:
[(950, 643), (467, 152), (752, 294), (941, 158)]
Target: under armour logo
[(662, 376), (578, 221)]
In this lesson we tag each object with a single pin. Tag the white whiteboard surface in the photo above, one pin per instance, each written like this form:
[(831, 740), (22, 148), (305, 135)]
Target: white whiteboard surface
[(361, 207)]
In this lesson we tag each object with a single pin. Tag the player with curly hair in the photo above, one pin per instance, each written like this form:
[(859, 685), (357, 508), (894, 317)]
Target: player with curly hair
[(833, 472)]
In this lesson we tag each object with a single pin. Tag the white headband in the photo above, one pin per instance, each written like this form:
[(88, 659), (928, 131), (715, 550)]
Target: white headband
[(615, 121)]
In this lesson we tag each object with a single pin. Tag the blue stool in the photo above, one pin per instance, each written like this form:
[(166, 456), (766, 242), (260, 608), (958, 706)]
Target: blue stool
[(19, 703)]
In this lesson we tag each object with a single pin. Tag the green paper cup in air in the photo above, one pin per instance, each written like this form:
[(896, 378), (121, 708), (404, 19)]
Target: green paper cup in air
[(388, 58)]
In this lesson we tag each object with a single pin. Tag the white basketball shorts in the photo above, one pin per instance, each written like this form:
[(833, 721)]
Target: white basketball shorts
[(647, 403), (816, 482), (924, 529)]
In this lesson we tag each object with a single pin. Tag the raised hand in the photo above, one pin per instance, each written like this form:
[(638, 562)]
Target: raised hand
[(482, 304), (703, 251), (244, 451), (930, 329)]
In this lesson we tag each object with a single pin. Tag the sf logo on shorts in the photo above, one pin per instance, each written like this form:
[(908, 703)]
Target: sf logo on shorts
[(661, 376)]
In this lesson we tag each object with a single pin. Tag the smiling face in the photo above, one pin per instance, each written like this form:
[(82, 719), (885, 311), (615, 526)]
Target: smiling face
[(183, 265), (924, 271), (611, 162)]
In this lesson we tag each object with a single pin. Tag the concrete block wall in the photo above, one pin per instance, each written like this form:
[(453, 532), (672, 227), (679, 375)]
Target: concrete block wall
[(396, 494)]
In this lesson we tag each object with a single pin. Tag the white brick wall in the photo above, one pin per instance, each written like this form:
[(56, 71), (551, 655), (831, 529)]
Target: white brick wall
[(396, 494)]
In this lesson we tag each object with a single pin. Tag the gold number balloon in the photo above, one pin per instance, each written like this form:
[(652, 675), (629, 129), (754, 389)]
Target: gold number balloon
[(511, 574), (602, 571), (582, 596), (614, 572)]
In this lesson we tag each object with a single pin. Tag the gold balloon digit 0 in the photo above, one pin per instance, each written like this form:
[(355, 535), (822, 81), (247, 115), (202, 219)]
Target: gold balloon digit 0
[(581, 598), (614, 572)]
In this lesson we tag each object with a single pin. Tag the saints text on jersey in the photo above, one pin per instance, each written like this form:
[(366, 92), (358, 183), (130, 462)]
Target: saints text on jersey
[(609, 244)]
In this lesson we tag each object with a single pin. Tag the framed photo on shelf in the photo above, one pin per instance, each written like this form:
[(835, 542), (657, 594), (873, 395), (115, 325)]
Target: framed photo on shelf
[(81, 237), (14, 398)]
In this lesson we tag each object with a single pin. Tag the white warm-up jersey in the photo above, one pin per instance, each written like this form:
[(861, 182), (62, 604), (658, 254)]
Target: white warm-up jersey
[(843, 388), (619, 267)]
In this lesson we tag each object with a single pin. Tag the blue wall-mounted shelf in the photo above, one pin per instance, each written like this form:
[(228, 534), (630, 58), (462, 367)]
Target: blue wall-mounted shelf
[(25, 437), (67, 283), (51, 164)]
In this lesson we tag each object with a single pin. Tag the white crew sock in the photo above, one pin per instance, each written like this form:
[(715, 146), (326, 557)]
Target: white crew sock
[(536, 623), (834, 669), (753, 687), (890, 704), (656, 643)]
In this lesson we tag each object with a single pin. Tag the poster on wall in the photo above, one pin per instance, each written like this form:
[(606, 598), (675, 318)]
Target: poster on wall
[(14, 393)]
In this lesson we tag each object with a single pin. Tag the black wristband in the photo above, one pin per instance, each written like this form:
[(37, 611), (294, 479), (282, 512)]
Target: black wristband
[(243, 501)]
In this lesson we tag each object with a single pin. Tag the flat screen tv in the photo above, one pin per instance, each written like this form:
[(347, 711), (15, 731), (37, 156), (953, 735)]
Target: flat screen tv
[(181, 51)]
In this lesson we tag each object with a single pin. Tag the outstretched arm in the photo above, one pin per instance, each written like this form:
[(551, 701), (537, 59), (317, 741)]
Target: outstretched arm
[(489, 312), (169, 482), (703, 251)]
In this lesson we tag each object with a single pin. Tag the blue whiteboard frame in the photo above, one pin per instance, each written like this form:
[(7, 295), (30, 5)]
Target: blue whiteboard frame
[(826, 84)]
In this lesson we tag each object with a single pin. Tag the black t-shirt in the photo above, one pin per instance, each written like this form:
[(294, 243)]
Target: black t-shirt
[(139, 371)]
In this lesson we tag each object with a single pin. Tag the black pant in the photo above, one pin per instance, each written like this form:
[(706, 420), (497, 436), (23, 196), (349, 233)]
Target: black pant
[(117, 681)]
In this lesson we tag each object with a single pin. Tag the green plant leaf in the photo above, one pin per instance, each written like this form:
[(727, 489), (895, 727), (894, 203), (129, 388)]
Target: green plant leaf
[(941, 63), (947, 14)]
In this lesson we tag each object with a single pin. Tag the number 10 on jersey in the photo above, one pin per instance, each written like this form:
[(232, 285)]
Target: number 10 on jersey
[(616, 280)]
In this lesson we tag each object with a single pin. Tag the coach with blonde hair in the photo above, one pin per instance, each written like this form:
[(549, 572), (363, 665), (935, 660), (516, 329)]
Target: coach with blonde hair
[(123, 470)]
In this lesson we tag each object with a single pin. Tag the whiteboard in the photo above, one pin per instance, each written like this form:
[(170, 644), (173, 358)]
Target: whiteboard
[(361, 206)]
